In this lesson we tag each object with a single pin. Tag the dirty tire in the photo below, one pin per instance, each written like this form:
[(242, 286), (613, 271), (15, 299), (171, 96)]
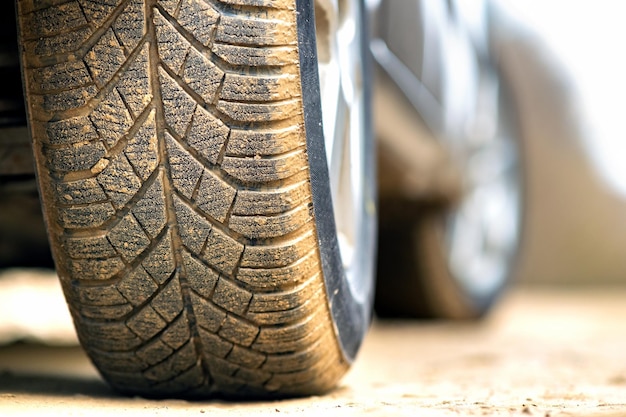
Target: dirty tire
[(172, 158)]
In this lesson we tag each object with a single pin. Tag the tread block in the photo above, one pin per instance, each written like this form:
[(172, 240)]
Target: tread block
[(80, 157), (173, 47), (240, 87), (247, 358), (200, 277), (181, 384), (105, 58), (271, 226), (154, 352), (177, 363), (231, 297), (111, 118), (192, 227), (95, 269), (177, 105), (114, 312), (214, 196), (98, 11), (119, 181), (259, 169), (298, 361), (238, 331), (59, 44), (146, 323), (97, 296), (129, 26), (83, 191), (79, 217), (280, 278), (89, 247), (185, 170), (69, 99), (177, 333), (53, 20), (301, 381), (118, 361), (128, 238), (160, 261), (169, 300), (134, 86), (278, 255), (150, 210), (286, 300), (213, 345), (264, 143), (275, 316), (263, 112), (208, 316), (110, 335), (207, 135), (253, 377), (170, 6), (137, 286), (254, 32), (72, 130), (220, 366), (268, 202), (142, 149), (222, 252), (62, 76), (263, 56), (290, 338), (199, 19), (202, 76)]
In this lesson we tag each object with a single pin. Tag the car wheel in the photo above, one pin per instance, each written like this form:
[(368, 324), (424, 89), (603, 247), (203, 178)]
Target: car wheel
[(211, 236)]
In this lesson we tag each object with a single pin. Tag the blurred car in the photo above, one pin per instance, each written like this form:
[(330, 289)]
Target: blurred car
[(451, 187)]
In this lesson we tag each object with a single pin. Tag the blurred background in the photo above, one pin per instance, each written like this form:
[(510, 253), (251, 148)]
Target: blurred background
[(567, 74)]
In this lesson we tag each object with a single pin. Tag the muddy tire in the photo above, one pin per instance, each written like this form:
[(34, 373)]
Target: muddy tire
[(186, 192)]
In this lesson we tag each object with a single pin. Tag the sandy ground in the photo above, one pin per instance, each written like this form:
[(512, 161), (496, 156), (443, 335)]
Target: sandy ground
[(542, 353)]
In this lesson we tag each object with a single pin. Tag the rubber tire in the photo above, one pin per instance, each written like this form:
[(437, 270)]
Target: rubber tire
[(180, 177)]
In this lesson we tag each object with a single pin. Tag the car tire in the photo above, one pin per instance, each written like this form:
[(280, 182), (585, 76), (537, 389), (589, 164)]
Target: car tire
[(187, 194)]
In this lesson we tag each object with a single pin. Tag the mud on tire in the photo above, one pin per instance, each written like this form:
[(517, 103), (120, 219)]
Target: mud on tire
[(172, 160)]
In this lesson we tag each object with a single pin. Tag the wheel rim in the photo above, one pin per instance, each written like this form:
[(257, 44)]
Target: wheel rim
[(482, 232), (340, 65)]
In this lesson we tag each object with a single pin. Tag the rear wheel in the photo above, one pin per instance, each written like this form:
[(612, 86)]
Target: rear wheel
[(186, 188), (468, 252), (453, 260)]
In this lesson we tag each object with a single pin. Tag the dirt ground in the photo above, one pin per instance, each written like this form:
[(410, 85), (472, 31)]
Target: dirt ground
[(541, 352)]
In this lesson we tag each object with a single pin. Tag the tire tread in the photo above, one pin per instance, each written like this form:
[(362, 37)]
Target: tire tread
[(171, 156)]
